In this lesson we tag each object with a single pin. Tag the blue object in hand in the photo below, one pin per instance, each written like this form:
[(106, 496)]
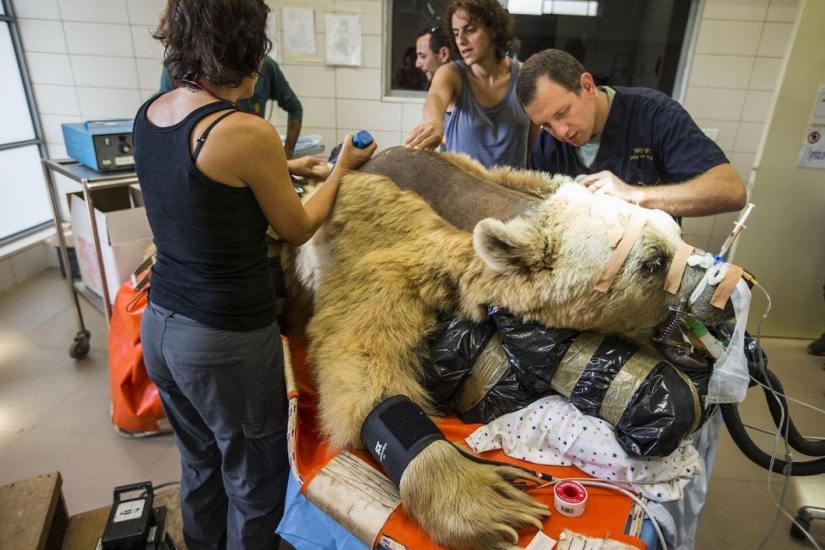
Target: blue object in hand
[(361, 139)]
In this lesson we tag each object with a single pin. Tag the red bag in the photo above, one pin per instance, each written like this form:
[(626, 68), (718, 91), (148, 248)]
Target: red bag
[(136, 408)]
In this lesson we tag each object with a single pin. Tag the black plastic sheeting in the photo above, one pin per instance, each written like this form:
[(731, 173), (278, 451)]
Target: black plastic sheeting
[(659, 416), (534, 351), (454, 347)]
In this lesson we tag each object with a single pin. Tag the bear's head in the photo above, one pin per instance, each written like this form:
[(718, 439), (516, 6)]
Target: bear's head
[(553, 264)]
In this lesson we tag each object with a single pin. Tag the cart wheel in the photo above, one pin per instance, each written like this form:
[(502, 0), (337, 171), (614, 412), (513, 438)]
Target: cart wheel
[(80, 347), (799, 528)]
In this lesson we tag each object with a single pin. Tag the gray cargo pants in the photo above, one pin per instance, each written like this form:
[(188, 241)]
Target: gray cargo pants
[(224, 395)]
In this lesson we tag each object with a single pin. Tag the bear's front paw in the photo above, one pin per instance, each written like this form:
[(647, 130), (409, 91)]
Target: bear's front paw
[(466, 505)]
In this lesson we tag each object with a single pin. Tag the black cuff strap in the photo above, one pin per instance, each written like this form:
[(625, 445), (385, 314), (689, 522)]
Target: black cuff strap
[(395, 432)]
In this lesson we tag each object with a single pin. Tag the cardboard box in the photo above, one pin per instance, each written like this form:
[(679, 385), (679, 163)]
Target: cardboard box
[(123, 233)]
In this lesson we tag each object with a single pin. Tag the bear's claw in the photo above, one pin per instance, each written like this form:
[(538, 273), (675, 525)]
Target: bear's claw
[(464, 504), (506, 532)]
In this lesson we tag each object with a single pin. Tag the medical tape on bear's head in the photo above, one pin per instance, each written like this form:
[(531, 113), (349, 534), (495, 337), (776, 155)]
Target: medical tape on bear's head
[(714, 271), (620, 253), (726, 286), (615, 232), (677, 267)]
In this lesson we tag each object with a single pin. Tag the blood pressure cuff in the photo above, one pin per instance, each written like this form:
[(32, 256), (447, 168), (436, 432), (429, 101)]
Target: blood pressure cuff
[(395, 432)]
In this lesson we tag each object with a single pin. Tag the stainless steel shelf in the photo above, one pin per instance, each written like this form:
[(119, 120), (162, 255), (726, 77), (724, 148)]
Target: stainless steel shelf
[(89, 295), (91, 180)]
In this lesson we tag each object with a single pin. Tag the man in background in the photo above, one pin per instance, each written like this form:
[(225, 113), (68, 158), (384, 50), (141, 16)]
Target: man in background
[(272, 85), (633, 143), (432, 49)]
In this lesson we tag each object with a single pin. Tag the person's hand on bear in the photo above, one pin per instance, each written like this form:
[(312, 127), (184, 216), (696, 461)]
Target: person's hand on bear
[(307, 167), (427, 135), (351, 157), (607, 183)]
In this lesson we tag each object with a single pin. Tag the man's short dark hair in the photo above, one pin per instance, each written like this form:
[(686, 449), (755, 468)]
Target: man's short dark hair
[(557, 65), (489, 14), (438, 39)]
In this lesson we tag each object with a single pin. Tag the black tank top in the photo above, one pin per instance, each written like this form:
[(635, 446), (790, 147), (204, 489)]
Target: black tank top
[(211, 258)]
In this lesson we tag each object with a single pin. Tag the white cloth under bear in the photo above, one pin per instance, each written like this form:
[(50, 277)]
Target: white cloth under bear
[(552, 431)]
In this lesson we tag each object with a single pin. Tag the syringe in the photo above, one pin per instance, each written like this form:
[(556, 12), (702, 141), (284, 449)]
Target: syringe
[(738, 226)]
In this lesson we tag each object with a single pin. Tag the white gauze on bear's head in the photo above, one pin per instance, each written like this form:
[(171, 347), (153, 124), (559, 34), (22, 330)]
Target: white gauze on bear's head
[(623, 224), (616, 211)]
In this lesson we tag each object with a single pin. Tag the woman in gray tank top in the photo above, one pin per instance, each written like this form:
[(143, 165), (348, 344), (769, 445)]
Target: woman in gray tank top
[(471, 104)]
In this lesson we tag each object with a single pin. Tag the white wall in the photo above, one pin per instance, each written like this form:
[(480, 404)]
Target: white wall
[(733, 76), (790, 212), (95, 59)]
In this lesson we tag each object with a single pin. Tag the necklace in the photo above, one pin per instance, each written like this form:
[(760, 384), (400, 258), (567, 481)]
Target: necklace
[(197, 84)]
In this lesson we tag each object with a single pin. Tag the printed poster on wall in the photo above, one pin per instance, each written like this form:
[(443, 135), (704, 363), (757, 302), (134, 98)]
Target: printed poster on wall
[(272, 34), (343, 39), (812, 154), (299, 32)]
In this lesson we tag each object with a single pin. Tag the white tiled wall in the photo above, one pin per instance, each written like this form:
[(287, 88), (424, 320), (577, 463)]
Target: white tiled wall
[(95, 59), (736, 62), (27, 262)]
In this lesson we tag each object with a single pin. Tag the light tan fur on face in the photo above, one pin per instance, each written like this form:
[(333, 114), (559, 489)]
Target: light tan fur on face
[(389, 264)]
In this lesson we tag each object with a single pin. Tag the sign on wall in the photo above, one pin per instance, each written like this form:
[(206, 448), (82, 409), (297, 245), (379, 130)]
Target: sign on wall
[(343, 39), (299, 32), (812, 154)]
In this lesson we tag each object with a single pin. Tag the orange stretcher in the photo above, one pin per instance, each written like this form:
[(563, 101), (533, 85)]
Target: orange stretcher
[(349, 487)]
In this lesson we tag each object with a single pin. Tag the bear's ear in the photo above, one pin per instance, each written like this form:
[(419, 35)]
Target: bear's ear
[(506, 247)]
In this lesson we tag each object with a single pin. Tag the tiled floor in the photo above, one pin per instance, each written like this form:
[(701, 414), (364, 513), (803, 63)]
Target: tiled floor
[(54, 415)]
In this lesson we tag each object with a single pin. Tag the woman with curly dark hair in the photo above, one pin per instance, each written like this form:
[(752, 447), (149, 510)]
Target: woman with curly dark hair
[(471, 104), (213, 179)]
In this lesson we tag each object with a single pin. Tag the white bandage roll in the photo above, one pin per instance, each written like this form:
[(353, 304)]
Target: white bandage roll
[(570, 498)]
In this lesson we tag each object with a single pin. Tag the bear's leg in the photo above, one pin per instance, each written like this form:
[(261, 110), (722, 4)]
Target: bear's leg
[(359, 364), (349, 392)]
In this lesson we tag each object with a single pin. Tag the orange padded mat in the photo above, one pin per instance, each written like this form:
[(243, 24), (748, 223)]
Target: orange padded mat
[(606, 514)]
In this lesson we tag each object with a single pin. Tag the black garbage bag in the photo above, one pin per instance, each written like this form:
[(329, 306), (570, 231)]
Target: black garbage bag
[(454, 347), (506, 395), (652, 405), (534, 350)]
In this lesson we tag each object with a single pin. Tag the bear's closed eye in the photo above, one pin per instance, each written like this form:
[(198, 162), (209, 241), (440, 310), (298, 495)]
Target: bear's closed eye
[(655, 260)]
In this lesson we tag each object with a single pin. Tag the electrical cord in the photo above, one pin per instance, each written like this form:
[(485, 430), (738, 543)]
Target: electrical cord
[(595, 482), (779, 410), (609, 484)]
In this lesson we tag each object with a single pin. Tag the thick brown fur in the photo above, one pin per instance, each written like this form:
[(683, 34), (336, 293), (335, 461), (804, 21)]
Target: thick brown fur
[(532, 183), (384, 264)]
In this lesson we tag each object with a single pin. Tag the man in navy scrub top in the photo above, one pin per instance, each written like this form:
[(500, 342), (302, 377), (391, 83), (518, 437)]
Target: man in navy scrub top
[(634, 143), (641, 146)]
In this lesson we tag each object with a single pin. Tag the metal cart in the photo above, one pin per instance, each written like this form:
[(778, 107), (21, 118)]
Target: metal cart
[(91, 180)]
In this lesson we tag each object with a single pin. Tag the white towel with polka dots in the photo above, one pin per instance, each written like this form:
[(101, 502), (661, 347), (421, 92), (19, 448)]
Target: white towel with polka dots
[(552, 431)]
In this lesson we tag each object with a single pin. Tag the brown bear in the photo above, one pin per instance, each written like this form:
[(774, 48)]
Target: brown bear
[(415, 233)]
